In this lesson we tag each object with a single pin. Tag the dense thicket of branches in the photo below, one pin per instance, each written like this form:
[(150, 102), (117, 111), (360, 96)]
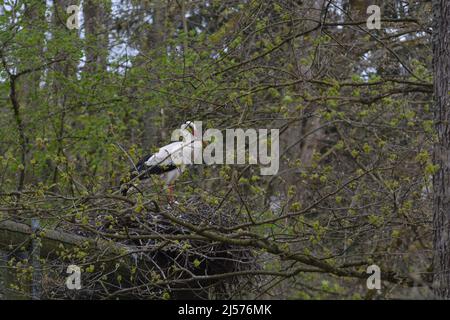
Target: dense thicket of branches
[(355, 111)]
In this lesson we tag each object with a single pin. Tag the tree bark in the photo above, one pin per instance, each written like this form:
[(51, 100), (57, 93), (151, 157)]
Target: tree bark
[(96, 32), (153, 44), (441, 179), (17, 234)]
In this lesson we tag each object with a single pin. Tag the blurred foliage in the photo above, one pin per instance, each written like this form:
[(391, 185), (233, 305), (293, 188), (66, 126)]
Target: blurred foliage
[(352, 106)]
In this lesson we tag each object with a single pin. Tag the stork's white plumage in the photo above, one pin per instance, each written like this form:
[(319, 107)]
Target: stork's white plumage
[(168, 163)]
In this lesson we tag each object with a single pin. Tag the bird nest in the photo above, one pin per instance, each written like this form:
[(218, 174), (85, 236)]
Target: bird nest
[(152, 250)]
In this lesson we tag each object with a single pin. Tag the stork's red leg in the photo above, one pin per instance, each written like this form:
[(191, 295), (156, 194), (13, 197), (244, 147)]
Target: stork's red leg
[(170, 193)]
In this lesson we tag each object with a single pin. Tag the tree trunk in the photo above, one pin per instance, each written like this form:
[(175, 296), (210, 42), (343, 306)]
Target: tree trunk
[(153, 43), (96, 32), (67, 68), (441, 179)]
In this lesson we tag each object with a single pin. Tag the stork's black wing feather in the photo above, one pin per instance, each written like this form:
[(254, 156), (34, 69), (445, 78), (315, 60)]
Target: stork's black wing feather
[(140, 165), (155, 169), (141, 168)]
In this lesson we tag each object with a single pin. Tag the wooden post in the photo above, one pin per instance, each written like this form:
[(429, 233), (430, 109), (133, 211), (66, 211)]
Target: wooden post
[(35, 254), (3, 275)]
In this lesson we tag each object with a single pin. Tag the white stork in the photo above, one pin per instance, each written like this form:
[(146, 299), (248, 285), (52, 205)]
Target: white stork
[(168, 163)]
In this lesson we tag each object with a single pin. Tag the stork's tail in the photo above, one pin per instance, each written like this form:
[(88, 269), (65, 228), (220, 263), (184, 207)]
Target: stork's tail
[(137, 172), (124, 189), (125, 183)]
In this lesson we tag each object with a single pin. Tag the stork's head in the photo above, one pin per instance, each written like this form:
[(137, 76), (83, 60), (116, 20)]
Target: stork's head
[(189, 126), (192, 129)]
